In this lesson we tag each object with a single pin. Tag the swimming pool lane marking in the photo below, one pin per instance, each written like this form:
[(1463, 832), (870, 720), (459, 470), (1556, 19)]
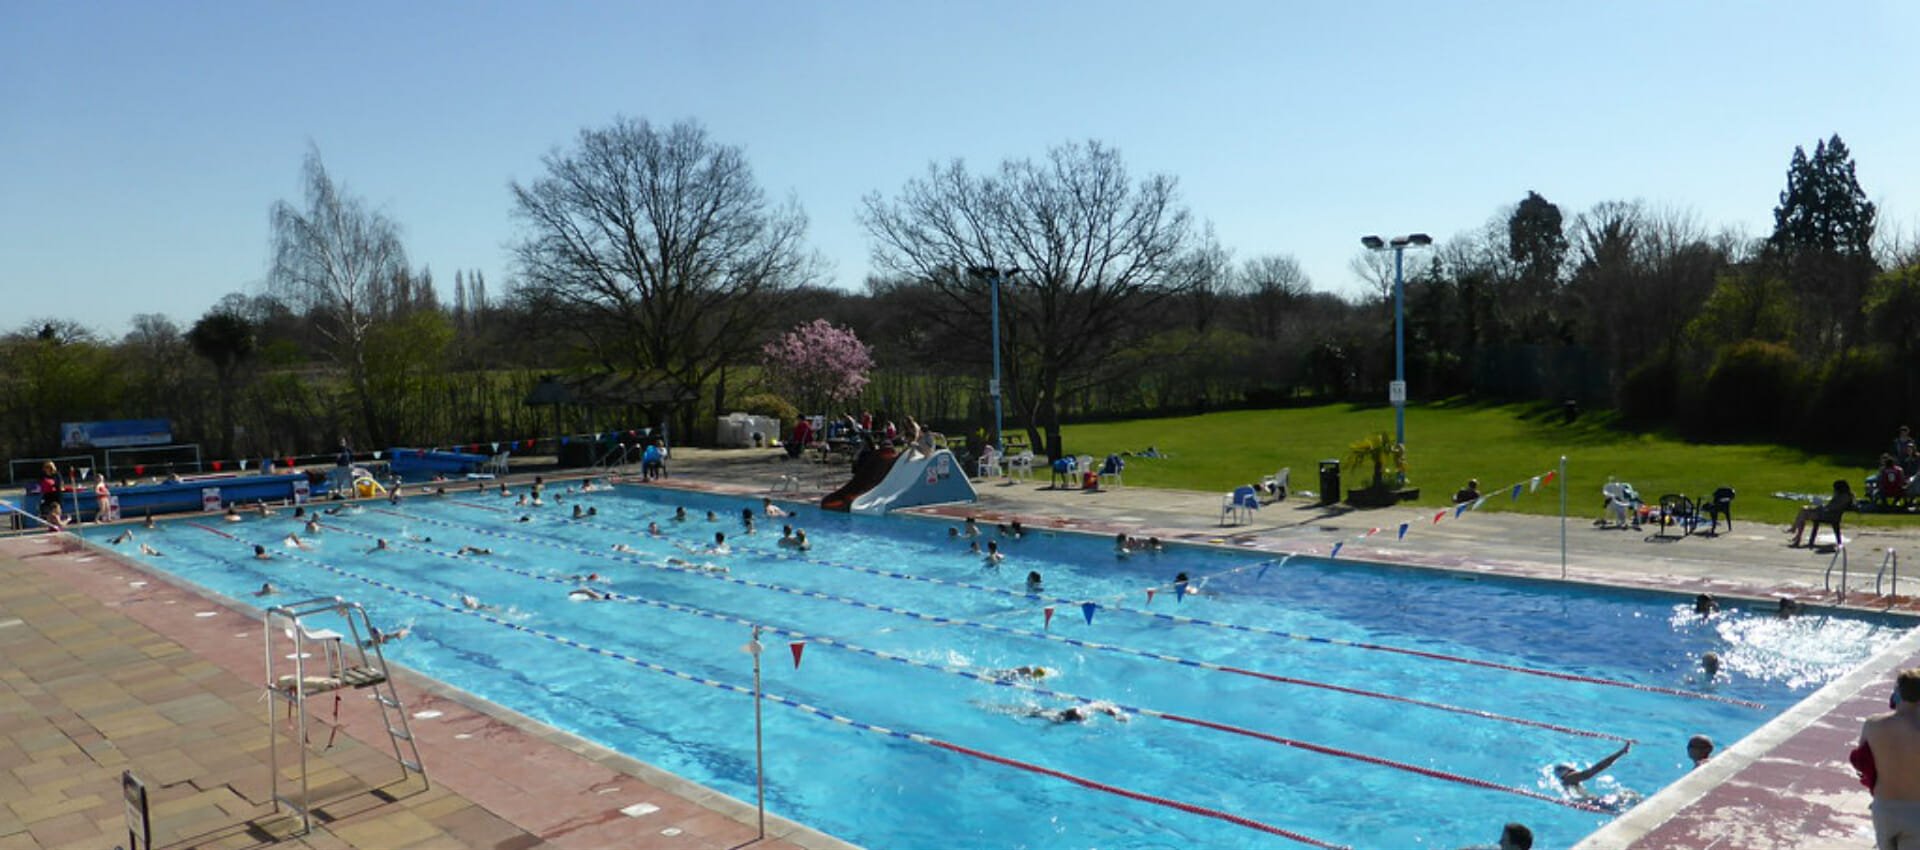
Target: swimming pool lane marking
[(918, 738), (1116, 649), (1174, 618)]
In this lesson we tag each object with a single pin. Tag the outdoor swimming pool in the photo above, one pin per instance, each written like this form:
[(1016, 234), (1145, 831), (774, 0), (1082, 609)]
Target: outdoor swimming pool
[(1285, 704)]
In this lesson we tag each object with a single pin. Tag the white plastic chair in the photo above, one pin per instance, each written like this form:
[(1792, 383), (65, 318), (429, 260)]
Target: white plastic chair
[(1239, 504), (990, 464), (1621, 501), (1111, 470), (1278, 484), (498, 463), (1020, 465)]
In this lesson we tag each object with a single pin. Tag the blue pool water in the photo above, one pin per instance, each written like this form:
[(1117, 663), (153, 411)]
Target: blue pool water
[(1285, 703)]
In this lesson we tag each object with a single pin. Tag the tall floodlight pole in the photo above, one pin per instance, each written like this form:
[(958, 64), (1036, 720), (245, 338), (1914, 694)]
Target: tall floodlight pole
[(993, 276), (1397, 394)]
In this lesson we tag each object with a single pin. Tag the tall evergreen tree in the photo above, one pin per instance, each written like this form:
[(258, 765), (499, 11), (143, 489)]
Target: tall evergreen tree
[(1822, 244)]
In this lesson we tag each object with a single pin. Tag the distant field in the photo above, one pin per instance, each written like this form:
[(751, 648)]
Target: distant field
[(1450, 443)]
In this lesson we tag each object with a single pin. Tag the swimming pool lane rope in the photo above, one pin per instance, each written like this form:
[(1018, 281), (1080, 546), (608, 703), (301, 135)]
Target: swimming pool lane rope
[(1471, 712), (1174, 618), (915, 737)]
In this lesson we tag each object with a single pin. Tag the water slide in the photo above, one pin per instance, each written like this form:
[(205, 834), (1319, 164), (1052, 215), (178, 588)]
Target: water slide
[(872, 470), (931, 480)]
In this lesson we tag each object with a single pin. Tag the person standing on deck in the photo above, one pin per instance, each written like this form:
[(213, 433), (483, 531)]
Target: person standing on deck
[(1889, 761)]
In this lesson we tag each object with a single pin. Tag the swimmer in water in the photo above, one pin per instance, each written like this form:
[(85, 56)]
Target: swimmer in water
[(579, 512), (1080, 713), (1573, 780), (379, 545), (711, 517), (468, 601), (524, 518), (260, 553), (1122, 547), (1710, 665), (680, 514), (1033, 582), (622, 547), (122, 537), (266, 590), (379, 637), (586, 594), (772, 510), (474, 550), (719, 546), (233, 514), (148, 524), (993, 553), (293, 541), (971, 527), (313, 526), (146, 549), (1180, 585), (653, 529), (1024, 671)]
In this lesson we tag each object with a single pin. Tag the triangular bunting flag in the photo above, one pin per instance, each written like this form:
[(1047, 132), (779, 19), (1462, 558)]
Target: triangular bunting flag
[(376, 455), (1150, 595), (216, 466), (1403, 530), (1548, 478), (1533, 484), (139, 469), (289, 463), (243, 465), (496, 445), (1516, 491), (1479, 503), (1336, 549), (1263, 571), (1461, 509), (1087, 608), (797, 647), (1373, 531), (1049, 621), (563, 440), (1438, 516)]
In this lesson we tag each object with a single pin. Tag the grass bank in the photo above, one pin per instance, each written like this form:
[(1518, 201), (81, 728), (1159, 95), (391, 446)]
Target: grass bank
[(1448, 443)]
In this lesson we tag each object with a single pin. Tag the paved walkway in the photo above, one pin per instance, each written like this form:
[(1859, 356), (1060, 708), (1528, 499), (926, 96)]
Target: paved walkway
[(104, 667)]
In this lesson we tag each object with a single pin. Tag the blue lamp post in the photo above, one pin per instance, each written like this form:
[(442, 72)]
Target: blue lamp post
[(1398, 392), (994, 276)]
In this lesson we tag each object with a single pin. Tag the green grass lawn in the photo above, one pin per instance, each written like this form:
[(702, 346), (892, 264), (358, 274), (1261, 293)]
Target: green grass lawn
[(1448, 443)]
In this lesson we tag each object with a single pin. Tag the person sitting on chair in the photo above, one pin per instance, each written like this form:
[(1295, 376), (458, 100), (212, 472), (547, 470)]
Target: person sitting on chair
[(1837, 504), (1469, 493)]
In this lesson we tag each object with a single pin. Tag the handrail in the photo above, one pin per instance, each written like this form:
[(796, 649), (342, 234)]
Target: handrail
[(1839, 557), (1890, 560)]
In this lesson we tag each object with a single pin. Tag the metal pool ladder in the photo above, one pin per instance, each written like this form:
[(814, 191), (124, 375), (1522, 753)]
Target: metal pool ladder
[(348, 664)]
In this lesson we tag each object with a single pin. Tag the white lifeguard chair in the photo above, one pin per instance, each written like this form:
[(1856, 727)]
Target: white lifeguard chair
[(345, 663)]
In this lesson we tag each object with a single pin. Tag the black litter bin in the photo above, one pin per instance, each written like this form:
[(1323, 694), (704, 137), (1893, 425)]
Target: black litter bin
[(1329, 481)]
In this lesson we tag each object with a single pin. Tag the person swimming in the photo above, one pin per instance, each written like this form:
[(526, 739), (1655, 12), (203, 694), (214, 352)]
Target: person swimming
[(1122, 547), (1710, 665), (146, 549), (379, 545), (586, 594), (1024, 671), (313, 525), (1079, 713), (122, 537), (293, 541), (579, 512), (474, 550), (971, 528), (266, 589), (622, 547), (1180, 585), (993, 553), (260, 553), (680, 514), (1573, 780), (772, 510), (1033, 582)]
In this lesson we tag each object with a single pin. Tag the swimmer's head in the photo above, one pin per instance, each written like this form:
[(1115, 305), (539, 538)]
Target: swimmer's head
[(1563, 771), (1710, 662), (1699, 747)]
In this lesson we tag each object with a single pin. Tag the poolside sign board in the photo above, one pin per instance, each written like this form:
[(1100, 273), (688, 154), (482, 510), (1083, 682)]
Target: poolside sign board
[(115, 433), (139, 821)]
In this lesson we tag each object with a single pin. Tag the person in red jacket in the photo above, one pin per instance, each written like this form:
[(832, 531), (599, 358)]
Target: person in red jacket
[(49, 492)]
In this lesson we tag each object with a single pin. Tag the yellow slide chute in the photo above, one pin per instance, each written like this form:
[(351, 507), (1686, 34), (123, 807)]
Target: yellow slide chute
[(366, 488)]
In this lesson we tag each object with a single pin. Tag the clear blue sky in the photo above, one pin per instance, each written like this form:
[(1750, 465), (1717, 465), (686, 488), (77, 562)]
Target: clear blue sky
[(141, 144)]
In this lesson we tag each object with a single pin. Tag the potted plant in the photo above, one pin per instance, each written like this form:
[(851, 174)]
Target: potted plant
[(1382, 452)]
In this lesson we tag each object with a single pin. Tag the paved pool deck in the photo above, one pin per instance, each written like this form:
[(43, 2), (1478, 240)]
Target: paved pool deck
[(105, 667)]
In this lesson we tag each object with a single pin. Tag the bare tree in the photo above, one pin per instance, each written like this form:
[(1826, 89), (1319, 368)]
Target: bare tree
[(664, 241), (1098, 255), (336, 259), (1272, 285)]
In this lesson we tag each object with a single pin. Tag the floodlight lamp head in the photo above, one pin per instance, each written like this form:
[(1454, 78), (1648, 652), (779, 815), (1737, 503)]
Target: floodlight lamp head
[(1419, 239), (1399, 242), (1011, 272), (980, 271), (1372, 242)]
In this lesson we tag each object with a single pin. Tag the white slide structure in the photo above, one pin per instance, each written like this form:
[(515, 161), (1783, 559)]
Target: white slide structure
[(914, 481)]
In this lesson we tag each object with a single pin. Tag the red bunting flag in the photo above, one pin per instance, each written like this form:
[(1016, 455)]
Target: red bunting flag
[(1373, 531), (1049, 619), (289, 461), (216, 466), (1150, 596), (1436, 517), (139, 469), (797, 647), (1548, 478)]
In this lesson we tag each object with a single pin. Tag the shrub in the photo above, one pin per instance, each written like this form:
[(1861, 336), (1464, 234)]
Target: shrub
[(769, 404), (1753, 390)]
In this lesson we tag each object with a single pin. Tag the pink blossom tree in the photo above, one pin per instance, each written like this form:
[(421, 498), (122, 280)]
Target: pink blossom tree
[(816, 365)]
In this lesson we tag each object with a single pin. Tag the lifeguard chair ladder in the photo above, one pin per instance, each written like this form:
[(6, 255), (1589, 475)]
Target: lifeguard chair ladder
[(348, 664)]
